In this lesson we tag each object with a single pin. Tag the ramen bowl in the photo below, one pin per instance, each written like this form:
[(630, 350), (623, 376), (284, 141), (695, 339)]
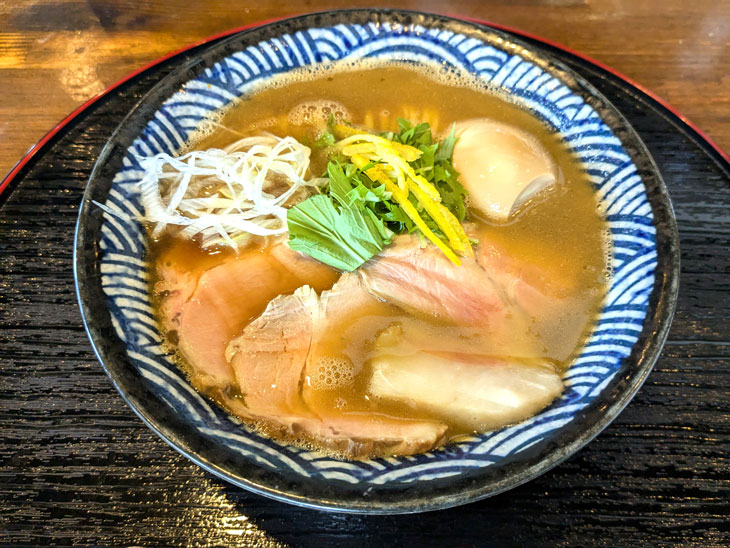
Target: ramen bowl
[(112, 271)]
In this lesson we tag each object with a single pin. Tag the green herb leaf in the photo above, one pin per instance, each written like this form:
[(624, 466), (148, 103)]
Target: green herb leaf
[(339, 229), (435, 165), (446, 147)]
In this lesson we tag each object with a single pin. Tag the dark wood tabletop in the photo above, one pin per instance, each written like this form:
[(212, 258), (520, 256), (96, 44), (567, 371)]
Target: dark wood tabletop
[(77, 467)]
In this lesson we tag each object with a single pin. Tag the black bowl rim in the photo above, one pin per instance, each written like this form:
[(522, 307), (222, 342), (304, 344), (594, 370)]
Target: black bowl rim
[(311, 493)]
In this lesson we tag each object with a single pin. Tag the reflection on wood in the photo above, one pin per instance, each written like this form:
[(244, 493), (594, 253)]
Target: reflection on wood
[(54, 55)]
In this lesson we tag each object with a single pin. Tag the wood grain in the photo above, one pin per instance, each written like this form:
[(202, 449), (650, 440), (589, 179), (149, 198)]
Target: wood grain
[(55, 54), (77, 467)]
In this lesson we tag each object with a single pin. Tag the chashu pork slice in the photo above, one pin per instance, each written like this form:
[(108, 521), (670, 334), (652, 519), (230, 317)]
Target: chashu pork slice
[(271, 359), (202, 310)]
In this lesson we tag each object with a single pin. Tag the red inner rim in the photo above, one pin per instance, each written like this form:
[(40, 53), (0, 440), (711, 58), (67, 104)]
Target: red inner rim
[(63, 123)]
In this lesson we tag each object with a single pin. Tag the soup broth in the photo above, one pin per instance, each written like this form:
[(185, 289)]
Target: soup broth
[(559, 235)]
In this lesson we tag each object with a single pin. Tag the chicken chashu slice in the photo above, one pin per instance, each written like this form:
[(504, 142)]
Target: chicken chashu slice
[(276, 352), (481, 291), (474, 389)]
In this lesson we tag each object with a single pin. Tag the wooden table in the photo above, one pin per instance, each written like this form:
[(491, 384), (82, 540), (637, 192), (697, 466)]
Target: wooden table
[(56, 54), (78, 467)]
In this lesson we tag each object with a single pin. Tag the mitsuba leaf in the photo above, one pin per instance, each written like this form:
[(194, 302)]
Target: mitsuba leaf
[(446, 147), (338, 228)]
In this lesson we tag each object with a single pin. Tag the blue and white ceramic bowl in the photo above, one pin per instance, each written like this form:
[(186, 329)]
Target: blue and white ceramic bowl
[(112, 273)]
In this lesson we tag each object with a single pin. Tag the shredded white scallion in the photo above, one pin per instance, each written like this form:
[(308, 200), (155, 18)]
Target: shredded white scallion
[(225, 196)]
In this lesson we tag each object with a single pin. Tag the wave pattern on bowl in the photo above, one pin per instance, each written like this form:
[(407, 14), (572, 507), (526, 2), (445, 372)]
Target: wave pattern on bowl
[(621, 193)]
